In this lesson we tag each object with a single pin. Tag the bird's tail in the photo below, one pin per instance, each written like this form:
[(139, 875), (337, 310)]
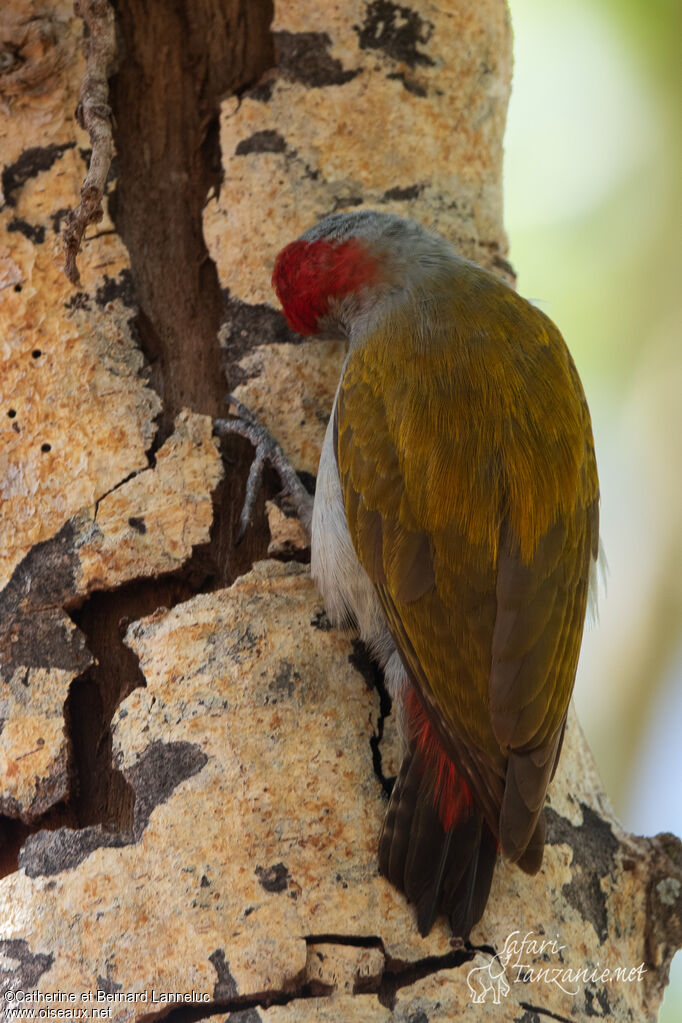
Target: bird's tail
[(435, 844), (440, 869)]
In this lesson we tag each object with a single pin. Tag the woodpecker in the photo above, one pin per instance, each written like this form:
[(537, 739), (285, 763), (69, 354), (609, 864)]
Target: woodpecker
[(455, 527)]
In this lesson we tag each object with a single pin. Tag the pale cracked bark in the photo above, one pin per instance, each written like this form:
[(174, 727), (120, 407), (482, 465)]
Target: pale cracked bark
[(252, 855), (147, 526), (76, 415), (258, 749)]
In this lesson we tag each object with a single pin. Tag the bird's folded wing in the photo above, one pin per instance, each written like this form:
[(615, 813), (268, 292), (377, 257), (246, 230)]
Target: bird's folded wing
[(489, 637)]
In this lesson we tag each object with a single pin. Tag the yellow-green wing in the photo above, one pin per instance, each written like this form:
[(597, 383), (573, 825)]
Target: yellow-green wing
[(470, 492)]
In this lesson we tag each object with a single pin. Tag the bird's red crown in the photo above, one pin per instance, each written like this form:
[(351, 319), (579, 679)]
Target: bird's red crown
[(308, 274)]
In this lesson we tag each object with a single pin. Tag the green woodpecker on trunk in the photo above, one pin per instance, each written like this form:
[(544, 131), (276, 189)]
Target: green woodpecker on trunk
[(455, 525)]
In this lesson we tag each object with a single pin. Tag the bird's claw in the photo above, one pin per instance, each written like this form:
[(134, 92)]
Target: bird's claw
[(247, 425)]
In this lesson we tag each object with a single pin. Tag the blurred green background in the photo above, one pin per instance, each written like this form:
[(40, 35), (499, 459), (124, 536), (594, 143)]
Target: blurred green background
[(593, 198)]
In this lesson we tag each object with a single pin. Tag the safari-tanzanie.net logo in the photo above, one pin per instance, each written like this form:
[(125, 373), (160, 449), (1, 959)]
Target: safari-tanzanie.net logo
[(514, 965)]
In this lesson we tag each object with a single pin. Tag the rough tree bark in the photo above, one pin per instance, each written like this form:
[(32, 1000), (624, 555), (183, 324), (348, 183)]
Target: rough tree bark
[(193, 764)]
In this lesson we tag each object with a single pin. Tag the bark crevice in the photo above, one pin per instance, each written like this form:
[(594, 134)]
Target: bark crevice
[(166, 132)]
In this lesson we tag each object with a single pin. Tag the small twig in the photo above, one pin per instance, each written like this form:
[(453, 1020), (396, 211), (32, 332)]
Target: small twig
[(94, 115), (267, 449)]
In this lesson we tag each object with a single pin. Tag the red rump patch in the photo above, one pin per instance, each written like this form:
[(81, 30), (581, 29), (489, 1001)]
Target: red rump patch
[(308, 274), (451, 795)]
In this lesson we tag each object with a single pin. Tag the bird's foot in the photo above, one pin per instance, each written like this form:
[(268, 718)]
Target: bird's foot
[(246, 424)]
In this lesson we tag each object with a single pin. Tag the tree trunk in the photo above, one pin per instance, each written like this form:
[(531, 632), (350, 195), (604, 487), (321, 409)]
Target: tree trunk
[(193, 764)]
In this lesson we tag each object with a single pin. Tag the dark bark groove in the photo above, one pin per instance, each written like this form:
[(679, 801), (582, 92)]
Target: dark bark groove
[(176, 63)]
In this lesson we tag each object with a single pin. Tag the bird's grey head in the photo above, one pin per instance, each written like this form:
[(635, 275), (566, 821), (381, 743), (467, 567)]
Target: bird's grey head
[(368, 225), (345, 269)]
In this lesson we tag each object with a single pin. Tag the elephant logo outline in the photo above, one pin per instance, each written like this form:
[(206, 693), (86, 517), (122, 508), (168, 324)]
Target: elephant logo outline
[(491, 976)]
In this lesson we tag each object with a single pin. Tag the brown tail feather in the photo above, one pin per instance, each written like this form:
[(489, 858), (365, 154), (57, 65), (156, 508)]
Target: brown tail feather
[(522, 828), (440, 871), (531, 859)]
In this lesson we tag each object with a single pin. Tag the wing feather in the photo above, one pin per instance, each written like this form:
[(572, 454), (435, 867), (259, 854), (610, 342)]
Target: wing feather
[(474, 515)]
